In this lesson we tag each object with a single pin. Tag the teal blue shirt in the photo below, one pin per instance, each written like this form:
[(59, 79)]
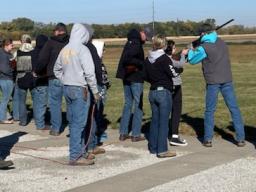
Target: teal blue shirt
[(195, 56)]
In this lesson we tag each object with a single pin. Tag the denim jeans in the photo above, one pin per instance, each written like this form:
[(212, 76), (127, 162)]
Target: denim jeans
[(55, 93), (6, 87), (133, 94), (15, 103), (39, 97), (97, 126), (161, 105), (78, 107), (23, 113), (227, 91)]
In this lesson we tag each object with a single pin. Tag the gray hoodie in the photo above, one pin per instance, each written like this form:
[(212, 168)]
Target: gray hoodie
[(74, 65), (178, 64)]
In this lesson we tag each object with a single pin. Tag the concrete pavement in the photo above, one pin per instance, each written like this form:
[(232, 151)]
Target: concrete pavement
[(40, 165)]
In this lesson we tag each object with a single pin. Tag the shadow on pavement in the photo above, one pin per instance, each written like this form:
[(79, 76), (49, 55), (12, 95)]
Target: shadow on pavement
[(228, 134), (7, 143)]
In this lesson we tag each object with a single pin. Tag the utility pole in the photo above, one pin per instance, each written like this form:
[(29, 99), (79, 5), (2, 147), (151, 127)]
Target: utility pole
[(153, 15), (177, 28)]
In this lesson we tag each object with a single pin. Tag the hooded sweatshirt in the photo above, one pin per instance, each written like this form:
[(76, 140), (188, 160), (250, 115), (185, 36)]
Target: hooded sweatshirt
[(95, 57), (132, 55), (159, 70), (74, 65), (40, 42), (23, 57), (49, 54), (6, 72), (178, 64)]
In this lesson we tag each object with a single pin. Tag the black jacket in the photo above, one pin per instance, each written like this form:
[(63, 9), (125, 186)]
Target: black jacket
[(49, 54), (160, 72), (40, 42), (97, 62), (130, 67)]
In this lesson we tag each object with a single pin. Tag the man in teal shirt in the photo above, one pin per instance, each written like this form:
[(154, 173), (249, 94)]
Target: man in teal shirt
[(214, 55)]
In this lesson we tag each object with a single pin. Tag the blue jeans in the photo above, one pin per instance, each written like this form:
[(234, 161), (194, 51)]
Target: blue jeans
[(55, 93), (39, 97), (15, 103), (133, 94), (97, 126), (6, 87), (161, 105), (227, 91), (23, 113), (78, 107)]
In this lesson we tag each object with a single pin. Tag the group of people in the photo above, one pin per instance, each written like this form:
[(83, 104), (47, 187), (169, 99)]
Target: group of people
[(71, 65), (161, 69), (62, 65)]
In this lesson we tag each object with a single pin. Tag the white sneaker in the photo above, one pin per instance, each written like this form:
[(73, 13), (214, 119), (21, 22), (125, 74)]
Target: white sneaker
[(178, 142)]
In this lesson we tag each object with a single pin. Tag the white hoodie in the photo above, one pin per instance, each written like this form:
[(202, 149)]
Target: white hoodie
[(74, 65)]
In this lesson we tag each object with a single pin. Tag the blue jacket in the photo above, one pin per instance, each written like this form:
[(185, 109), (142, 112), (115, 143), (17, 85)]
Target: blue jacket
[(197, 55)]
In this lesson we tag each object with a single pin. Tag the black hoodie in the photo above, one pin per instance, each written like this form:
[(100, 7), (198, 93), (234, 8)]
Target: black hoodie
[(96, 61), (49, 54), (40, 42), (133, 57)]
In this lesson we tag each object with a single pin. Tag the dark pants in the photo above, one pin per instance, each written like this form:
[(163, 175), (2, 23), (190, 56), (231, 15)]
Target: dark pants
[(176, 111)]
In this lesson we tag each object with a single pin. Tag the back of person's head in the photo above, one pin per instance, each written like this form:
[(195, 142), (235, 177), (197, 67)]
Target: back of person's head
[(41, 40), (25, 38), (6, 43), (158, 42), (148, 32), (133, 34), (60, 28), (169, 47), (205, 28)]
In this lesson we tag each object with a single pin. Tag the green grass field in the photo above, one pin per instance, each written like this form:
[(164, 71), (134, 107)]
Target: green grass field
[(243, 60)]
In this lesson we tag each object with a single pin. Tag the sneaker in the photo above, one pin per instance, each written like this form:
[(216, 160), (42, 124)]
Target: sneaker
[(178, 142), (167, 154), (207, 143), (23, 124), (54, 133), (240, 144), (98, 150), (123, 137), (5, 164), (6, 122), (137, 139), (82, 162)]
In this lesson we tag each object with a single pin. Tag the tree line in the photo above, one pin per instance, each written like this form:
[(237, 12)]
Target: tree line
[(19, 26)]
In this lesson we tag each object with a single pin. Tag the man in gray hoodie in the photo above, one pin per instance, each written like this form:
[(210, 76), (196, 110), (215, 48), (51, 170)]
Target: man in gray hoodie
[(75, 69)]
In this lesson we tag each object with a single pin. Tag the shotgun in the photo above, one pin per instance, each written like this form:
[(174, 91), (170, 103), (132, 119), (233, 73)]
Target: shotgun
[(197, 42)]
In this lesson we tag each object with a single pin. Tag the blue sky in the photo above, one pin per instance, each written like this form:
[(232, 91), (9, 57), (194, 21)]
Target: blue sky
[(121, 11)]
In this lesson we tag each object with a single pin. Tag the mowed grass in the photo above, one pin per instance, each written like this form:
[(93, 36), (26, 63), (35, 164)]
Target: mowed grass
[(243, 59)]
